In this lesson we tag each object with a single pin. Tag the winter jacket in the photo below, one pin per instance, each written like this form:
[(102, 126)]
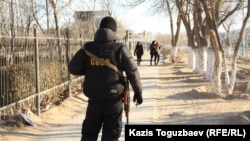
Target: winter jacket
[(138, 50), (101, 82)]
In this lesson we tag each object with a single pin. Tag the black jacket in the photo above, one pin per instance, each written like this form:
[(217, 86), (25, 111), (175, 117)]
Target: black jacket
[(101, 82), (138, 50)]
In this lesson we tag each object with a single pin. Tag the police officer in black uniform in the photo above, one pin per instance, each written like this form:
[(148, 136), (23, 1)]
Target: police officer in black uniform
[(102, 85)]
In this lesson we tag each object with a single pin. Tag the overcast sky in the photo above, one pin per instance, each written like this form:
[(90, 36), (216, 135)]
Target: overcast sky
[(140, 18), (137, 19)]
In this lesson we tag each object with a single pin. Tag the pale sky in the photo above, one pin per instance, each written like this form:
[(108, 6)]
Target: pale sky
[(139, 19)]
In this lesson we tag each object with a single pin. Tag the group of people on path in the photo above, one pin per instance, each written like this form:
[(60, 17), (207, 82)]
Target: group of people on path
[(154, 52)]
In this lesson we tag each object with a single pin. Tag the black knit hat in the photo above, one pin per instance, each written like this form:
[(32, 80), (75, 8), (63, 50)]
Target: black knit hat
[(108, 22)]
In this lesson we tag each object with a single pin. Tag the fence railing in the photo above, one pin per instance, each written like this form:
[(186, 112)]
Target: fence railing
[(33, 70)]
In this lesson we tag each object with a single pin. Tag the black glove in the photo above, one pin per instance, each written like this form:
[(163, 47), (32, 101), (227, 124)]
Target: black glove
[(137, 99)]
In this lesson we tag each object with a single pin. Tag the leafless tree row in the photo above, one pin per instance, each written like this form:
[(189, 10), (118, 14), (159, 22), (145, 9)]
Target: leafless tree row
[(202, 20)]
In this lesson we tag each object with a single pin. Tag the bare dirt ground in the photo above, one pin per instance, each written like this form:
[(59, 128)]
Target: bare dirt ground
[(206, 105), (177, 96)]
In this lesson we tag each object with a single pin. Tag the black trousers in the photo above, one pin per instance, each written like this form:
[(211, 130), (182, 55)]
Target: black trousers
[(139, 56), (105, 115), (157, 58), (152, 56)]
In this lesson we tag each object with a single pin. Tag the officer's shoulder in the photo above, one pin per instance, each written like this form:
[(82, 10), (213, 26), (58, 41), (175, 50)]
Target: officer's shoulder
[(87, 44), (117, 44)]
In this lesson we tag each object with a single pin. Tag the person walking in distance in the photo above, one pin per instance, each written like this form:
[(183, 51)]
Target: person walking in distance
[(138, 52), (152, 51), (102, 85), (157, 53)]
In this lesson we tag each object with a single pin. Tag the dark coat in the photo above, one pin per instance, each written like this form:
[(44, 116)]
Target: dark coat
[(152, 49), (101, 82), (138, 50)]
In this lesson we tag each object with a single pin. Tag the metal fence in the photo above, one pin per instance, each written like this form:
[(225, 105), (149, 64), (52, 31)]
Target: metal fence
[(33, 70)]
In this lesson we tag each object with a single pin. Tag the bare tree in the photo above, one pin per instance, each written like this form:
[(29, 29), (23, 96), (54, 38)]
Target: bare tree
[(213, 20), (4, 17), (165, 7), (227, 27), (12, 30), (236, 51), (174, 36), (108, 5), (215, 15), (197, 33), (228, 43), (55, 4)]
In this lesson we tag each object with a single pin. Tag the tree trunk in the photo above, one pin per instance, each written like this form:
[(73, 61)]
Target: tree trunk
[(247, 91), (229, 43), (227, 79), (201, 62), (173, 55), (174, 37), (191, 58), (210, 64), (233, 73), (216, 81), (56, 14), (236, 51)]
